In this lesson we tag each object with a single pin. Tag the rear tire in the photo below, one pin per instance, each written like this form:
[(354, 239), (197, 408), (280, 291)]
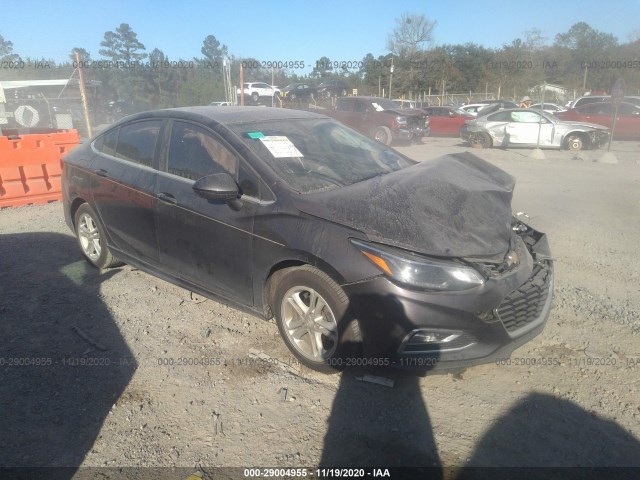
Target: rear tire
[(480, 140), (313, 317), (92, 239)]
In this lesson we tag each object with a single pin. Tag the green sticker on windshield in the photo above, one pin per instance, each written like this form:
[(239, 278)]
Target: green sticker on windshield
[(255, 135)]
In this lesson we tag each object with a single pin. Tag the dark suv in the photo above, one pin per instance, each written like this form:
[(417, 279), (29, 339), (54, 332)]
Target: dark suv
[(332, 88)]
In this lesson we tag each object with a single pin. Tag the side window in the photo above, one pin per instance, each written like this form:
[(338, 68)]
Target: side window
[(627, 110), (344, 105), (525, 117), (194, 153), (360, 106), (137, 141), (107, 142), (500, 117)]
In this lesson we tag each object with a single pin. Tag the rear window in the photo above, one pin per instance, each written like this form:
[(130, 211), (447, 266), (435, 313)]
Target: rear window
[(137, 141), (107, 143)]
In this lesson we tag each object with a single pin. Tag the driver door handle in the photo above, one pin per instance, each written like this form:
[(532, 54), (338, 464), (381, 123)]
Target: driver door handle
[(167, 198)]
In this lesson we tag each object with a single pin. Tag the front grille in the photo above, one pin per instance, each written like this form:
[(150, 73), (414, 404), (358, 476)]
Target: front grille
[(525, 304)]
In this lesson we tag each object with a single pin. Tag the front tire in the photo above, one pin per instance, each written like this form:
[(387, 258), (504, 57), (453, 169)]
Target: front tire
[(314, 319), (92, 239), (575, 143), (382, 135)]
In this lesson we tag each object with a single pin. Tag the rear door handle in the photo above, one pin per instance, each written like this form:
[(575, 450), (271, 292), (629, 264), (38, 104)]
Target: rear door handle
[(167, 198), (102, 173)]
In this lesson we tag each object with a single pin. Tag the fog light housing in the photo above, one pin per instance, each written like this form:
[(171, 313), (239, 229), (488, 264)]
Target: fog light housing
[(429, 340)]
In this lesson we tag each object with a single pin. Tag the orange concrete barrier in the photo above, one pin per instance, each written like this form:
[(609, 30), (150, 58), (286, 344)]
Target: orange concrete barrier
[(30, 168)]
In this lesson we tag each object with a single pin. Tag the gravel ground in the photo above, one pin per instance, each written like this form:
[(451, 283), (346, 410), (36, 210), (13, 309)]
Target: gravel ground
[(121, 369)]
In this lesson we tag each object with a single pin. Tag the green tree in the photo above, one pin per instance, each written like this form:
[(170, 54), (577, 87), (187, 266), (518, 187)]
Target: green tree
[(122, 45), (6, 51), (322, 68), (213, 51), (161, 82), (85, 56), (580, 46)]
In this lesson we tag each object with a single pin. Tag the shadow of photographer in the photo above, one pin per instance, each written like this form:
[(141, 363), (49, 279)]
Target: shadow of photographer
[(64, 361)]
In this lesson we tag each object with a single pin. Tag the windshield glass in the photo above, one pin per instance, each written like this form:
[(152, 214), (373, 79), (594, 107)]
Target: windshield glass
[(318, 154), (381, 104)]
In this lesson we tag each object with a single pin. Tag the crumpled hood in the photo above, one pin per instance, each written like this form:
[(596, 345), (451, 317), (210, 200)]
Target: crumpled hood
[(455, 206)]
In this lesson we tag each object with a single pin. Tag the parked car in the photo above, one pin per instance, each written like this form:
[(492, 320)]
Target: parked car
[(473, 108), (601, 99), (502, 103), (548, 107), (627, 121), (298, 91), (521, 127), (220, 104), (578, 102), (255, 90), (356, 250), (380, 119), (332, 88), (446, 120)]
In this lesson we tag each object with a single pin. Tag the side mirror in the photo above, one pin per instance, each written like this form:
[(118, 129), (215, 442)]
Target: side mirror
[(219, 186)]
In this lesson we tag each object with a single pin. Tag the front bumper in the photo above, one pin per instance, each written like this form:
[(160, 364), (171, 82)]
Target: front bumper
[(419, 330), (467, 130), (410, 133)]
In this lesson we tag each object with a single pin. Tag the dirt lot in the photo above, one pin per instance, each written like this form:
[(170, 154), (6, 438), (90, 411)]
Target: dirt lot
[(122, 369)]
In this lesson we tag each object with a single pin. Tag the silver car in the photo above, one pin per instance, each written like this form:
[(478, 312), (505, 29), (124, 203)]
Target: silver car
[(521, 127)]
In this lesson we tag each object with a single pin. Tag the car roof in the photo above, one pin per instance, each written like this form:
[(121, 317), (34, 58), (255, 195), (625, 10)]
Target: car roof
[(368, 99), (585, 105), (230, 115)]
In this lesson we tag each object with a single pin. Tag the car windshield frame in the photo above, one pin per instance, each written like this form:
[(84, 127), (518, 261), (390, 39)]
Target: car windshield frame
[(317, 154)]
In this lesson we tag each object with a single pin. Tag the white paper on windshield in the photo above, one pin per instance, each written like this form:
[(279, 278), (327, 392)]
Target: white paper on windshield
[(377, 107), (280, 146)]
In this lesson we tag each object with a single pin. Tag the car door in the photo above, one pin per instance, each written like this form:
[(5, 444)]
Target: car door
[(439, 121), (525, 126), (206, 242), (628, 121), (600, 113), (346, 113), (123, 192)]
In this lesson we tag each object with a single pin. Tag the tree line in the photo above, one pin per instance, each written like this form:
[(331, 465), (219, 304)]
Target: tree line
[(582, 58)]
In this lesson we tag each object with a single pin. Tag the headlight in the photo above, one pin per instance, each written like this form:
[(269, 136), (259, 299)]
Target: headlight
[(419, 271), (401, 120)]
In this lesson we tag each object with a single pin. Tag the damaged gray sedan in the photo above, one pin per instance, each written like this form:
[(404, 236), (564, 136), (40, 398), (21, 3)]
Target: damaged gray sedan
[(524, 127), (363, 256)]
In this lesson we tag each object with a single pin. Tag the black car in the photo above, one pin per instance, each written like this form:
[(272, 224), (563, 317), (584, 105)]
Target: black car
[(363, 256), (332, 88), (298, 91)]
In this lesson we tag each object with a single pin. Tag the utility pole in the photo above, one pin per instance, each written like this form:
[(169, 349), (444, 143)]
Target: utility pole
[(83, 94), (391, 77)]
